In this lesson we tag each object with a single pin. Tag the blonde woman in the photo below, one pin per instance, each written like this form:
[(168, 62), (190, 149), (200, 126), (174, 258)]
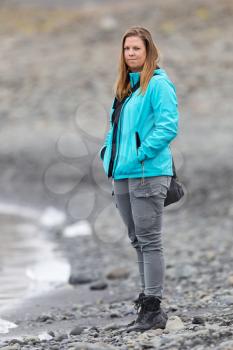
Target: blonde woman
[(136, 155)]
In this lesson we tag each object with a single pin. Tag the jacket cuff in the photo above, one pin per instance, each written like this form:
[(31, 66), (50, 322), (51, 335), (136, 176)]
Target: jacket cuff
[(141, 155)]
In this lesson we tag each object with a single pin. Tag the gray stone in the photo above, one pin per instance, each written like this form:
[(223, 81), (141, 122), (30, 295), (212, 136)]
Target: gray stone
[(54, 347), (45, 336), (31, 339), (16, 341), (51, 333), (226, 345), (78, 278), (61, 337), (11, 347), (226, 299), (91, 346), (101, 285), (77, 330), (118, 273), (45, 317), (198, 320), (184, 271), (112, 326), (115, 314)]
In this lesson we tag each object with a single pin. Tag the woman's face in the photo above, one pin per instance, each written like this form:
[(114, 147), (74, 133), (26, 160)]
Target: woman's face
[(134, 53)]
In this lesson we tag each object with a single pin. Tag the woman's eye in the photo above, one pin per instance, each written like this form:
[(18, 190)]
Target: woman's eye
[(135, 48)]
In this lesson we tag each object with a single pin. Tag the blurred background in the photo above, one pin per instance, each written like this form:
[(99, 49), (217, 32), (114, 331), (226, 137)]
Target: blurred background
[(58, 64)]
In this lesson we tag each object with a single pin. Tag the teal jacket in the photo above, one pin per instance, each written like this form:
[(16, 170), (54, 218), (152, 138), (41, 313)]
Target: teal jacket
[(154, 116)]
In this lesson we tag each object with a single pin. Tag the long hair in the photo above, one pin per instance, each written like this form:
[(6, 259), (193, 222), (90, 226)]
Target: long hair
[(122, 84)]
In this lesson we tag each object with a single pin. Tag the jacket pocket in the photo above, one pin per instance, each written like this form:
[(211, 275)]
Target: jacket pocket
[(138, 141), (102, 152), (138, 144)]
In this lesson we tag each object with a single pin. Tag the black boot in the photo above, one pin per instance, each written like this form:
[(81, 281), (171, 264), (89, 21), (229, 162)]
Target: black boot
[(152, 315), (137, 305)]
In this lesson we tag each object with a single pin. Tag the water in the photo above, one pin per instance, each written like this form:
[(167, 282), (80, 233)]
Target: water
[(30, 262)]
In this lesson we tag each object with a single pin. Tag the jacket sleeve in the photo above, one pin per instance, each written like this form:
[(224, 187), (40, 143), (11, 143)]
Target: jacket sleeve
[(107, 137), (166, 115)]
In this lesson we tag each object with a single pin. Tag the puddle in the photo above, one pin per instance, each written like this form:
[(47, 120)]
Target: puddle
[(29, 261)]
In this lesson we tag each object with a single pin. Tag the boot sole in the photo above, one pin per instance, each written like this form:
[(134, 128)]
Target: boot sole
[(144, 330), (137, 328)]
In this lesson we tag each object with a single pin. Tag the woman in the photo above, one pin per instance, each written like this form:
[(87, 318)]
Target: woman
[(137, 155)]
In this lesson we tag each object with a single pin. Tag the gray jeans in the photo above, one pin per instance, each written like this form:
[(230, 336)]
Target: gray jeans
[(141, 209)]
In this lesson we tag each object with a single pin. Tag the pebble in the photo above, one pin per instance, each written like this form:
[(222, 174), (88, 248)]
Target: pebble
[(112, 326), (77, 330), (155, 332), (98, 286), (226, 299), (51, 333), (11, 347), (54, 347), (173, 308), (79, 278), (115, 314), (61, 337), (198, 320), (16, 341), (117, 273), (45, 317), (91, 346), (174, 323), (184, 271), (44, 336), (31, 339), (226, 345)]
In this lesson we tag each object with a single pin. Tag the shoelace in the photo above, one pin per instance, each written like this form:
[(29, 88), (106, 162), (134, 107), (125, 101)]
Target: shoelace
[(138, 303)]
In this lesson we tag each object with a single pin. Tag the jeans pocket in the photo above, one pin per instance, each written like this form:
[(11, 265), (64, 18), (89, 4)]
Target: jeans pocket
[(147, 205), (147, 190), (154, 190)]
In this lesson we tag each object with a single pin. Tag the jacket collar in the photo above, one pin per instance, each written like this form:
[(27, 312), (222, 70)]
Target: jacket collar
[(134, 77)]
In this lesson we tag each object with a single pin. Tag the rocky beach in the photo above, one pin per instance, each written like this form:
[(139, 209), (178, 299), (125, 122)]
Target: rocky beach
[(58, 64)]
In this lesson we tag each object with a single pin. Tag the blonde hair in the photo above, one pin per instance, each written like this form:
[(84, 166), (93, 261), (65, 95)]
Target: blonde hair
[(122, 84)]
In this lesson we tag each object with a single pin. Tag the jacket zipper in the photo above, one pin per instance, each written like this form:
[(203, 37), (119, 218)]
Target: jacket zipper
[(114, 145), (115, 161), (113, 151), (138, 143)]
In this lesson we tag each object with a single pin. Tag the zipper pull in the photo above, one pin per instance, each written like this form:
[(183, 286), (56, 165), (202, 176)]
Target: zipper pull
[(112, 188)]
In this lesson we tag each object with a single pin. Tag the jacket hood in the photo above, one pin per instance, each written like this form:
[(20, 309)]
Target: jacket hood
[(135, 76)]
